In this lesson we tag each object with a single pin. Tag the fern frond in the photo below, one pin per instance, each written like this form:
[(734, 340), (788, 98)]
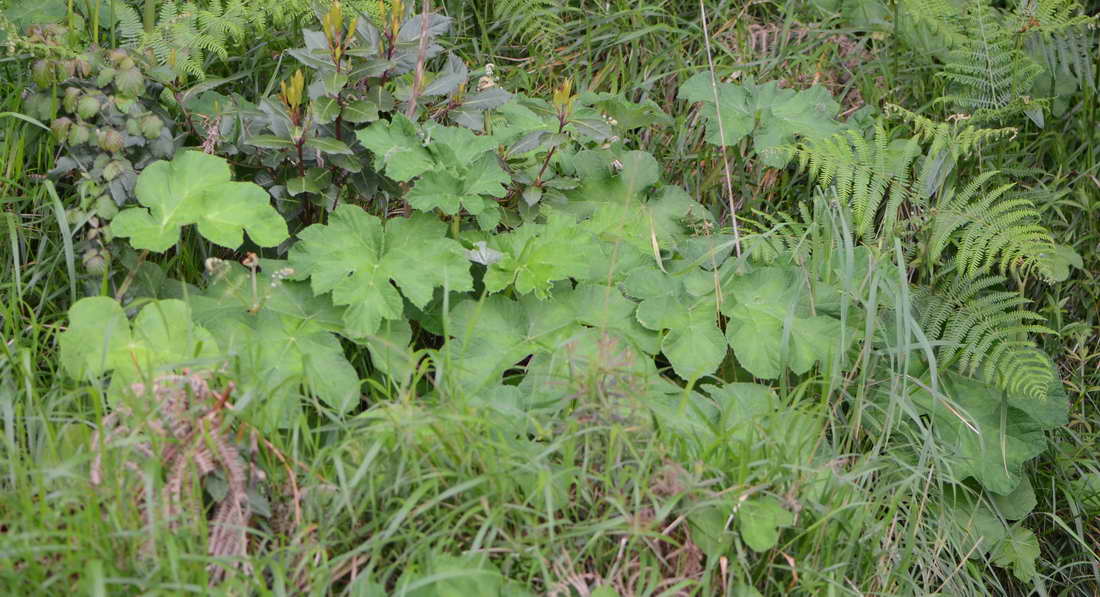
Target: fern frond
[(985, 332), (937, 17), (535, 22), (864, 174), (1062, 41), (130, 28), (988, 73), (1050, 16)]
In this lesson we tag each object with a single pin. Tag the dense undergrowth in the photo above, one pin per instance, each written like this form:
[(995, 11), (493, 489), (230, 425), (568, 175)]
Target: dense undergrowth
[(549, 298)]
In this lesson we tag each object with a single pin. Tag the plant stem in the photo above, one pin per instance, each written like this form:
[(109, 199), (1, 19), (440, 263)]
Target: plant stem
[(130, 277), (149, 16)]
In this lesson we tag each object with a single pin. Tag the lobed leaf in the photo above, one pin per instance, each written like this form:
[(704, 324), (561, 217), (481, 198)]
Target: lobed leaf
[(195, 188)]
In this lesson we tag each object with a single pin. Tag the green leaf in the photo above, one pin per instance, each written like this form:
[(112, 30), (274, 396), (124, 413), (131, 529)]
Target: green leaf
[(25, 14), (280, 339), (269, 142), (315, 181), (973, 528), (637, 171), (334, 82), (708, 529), (488, 337), (328, 145), (453, 576), (455, 147), (589, 125), (448, 191), (759, 520), (195, 188), (471, 112), (627, 114), (397, 148), (486, 99), (770, 326), (99, 339), (988, 435), (360, 111), (365, 586), (586, 355), (694, 345), (785, 114), (1059, 261), (745, 408), (536, 255), (1086, 491), (515, 121), (733, 105), (696, 349), (604, 307), (1017, 504), (773, 115), (358, 260), (390, 352), (1018, 551), (325, 109), (685, 415)]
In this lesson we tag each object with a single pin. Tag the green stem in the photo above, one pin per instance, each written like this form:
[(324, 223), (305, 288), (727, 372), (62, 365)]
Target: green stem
[(149, 16)]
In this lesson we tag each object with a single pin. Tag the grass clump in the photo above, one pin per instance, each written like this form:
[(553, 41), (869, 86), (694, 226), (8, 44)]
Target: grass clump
[(666, 301)]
